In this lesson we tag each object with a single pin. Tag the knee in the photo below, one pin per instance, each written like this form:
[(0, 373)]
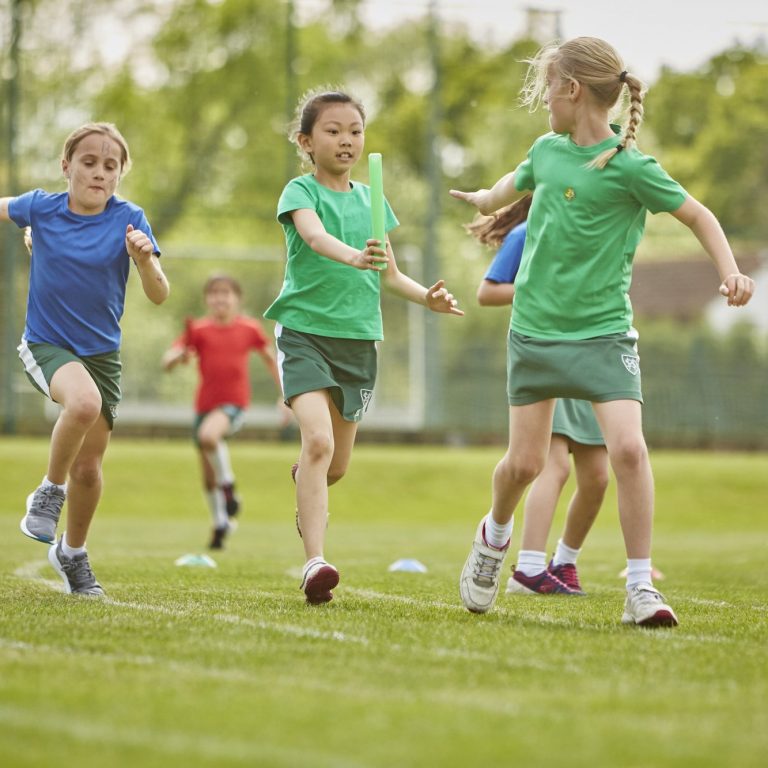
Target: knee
[(86, 473), (520, 470), (317, 447), (206, 441), (629, 455), (85, 408)]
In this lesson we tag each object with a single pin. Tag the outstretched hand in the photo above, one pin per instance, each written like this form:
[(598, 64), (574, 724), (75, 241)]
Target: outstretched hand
[(138, 245), (477, 198), (439, 300), (738, 289)]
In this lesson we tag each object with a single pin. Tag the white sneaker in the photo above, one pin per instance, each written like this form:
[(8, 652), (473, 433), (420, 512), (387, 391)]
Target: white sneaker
[(479, 582), (318, 579), (645, 606)]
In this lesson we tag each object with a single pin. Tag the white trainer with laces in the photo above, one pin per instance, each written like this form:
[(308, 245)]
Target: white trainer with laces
[(479, 582), (645, 607)]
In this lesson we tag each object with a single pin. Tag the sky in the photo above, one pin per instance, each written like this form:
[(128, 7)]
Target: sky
[(649, 34)]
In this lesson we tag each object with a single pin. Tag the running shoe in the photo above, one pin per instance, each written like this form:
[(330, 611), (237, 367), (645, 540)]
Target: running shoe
[(479, 581), (75, 571), (645, 607), (543, 583), (43, 512), (318, 579), (567, 573)]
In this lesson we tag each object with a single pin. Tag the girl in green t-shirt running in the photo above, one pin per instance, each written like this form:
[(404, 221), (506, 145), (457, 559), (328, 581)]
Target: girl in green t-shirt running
[(328, 314), (571, 331)]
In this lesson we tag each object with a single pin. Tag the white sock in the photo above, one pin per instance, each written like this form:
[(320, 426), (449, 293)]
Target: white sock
[(217, 507), (222, 466), (530, 562), (497, 534), (638, 572), (565, 555), (47, 483), (68, 551)]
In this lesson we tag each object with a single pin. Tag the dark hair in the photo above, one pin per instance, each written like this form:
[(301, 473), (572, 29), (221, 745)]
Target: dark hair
[(220, 277), (309, 110), (491, 230)]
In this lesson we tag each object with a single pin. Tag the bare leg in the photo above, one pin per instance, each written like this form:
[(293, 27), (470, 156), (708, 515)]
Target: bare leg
[(530, 429), (85, 483), (75, 391), (621, 424), (321, 462), (591, 463), (541, 502)]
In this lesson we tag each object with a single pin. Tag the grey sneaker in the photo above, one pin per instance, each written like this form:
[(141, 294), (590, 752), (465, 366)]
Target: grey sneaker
[(75, 571), (43, 511), (479, 582), (645, 606)]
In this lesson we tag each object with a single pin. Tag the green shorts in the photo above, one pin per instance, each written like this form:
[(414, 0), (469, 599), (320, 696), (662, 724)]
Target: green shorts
[(575, 419), (41, 361), (345, 367), (235, 414), (600, 369)]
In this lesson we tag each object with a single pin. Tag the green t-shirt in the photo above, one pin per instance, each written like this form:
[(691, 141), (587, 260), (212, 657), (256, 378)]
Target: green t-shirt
[(583, 228), (320, 295)]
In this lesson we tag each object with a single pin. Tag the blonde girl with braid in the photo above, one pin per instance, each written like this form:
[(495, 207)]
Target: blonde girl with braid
[(571, 332)]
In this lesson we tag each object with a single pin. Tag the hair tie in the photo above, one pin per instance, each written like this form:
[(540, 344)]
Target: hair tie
[(619, 147), (623, 76)]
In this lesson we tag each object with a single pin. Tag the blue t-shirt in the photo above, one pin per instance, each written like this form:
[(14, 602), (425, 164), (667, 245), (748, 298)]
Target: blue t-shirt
[(79, 270), (506, 262)]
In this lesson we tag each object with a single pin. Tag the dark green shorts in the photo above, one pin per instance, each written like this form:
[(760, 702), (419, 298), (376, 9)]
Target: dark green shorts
[(600, 369), (41, 361), (575, 419), (345, 367)]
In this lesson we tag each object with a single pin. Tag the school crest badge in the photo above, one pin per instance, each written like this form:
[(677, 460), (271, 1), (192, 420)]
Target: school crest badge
[(631, 363)]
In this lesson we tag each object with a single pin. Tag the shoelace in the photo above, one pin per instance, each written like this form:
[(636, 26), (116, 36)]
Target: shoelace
[(566, 574), (487, 568), (47, 503), (78, 571)]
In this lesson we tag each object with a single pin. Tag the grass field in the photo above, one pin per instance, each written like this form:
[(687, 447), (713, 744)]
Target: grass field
[(228, 666)]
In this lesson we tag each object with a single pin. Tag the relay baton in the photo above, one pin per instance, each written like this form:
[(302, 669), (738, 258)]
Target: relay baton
[(376, 180)]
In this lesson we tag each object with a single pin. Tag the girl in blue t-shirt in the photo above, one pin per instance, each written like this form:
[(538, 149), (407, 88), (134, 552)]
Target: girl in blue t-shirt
[(328, 315), (571, 330), (83, 241)]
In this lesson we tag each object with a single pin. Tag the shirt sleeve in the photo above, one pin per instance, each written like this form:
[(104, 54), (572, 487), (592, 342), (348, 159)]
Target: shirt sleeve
[(654, 188), (524, 178), (20, 208), (259, 339), (390, 220), (506, 262), (295, 196)]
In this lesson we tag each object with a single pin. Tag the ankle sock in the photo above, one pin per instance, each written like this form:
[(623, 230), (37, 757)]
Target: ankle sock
[(530, 562), (497, 534), (68, 551), (638, 572), (565, 555)]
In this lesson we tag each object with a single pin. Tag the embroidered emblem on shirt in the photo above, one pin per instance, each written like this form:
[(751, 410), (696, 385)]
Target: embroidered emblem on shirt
[(569, 194), (631, 363)]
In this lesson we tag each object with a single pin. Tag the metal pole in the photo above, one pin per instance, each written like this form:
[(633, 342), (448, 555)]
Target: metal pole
[(433, 395), (12, 238), (290, 84)]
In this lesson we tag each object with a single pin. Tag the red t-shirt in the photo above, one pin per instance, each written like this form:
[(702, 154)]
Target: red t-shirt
[(222, 359)]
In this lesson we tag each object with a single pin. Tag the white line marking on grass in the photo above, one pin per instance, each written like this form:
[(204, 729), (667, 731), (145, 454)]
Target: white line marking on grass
[(373, 595)]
